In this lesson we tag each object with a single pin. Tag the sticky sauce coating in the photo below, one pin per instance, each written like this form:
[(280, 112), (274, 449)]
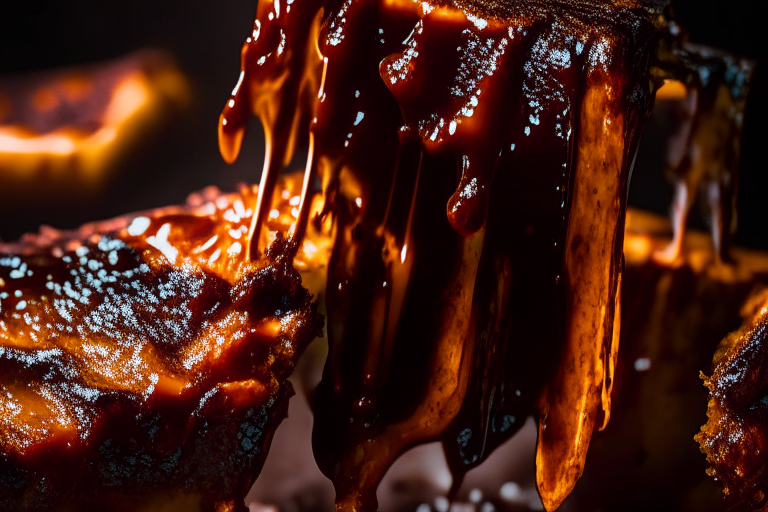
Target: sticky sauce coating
[(145, 355), (473, 158)]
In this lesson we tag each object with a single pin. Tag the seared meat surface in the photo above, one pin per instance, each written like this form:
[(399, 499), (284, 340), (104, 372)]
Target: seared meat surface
[(145, 355)]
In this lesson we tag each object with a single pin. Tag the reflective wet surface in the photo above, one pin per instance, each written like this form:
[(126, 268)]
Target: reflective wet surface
[(146, 354)]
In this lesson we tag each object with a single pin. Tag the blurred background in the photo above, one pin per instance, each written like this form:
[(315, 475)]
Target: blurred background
[(175, 155), (162, 165)]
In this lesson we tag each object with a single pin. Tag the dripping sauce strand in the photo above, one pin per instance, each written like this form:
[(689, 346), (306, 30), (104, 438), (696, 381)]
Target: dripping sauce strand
[(415, 271), (280, 72)]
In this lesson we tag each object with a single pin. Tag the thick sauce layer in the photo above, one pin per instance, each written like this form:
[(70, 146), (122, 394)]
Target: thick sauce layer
[(474, 161)]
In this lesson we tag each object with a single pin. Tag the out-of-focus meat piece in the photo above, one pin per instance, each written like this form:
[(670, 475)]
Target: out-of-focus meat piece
[(673, 318), (735, 438), (145, 355), (73, 123), (704, 151)]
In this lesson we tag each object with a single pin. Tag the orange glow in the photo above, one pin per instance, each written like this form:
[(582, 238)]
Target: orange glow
[(130, 100), (45, 99), (76, 87), (136, 100), (637, 248), (13, 141), (168, 385), (671, 90)]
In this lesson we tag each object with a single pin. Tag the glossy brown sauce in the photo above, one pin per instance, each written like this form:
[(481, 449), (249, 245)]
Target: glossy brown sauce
[(474, 160)]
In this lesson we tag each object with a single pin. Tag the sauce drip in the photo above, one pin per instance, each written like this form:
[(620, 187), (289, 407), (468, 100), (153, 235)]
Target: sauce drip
[(474, 160)]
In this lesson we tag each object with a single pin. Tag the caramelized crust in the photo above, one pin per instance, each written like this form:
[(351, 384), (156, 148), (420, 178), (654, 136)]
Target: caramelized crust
[(145, 355), (734, 438)]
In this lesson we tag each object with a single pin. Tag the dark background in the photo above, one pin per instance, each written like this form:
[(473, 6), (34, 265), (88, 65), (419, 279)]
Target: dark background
[(205, 37)]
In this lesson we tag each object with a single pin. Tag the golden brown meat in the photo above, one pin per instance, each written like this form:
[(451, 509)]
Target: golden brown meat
[(735, 438), (146, 356)]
